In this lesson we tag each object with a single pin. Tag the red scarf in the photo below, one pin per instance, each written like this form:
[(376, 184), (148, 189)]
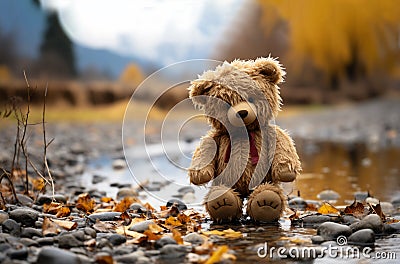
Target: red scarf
[(253, 150)]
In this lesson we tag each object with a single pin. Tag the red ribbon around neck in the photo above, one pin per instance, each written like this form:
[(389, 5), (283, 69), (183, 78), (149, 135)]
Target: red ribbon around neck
[(253, 150)]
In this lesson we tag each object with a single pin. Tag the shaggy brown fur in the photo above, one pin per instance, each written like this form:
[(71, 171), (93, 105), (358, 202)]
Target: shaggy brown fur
[(223, 154)]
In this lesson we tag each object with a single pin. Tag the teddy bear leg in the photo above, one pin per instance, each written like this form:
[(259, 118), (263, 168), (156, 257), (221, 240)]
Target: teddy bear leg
[(223, 204), (266, 203)]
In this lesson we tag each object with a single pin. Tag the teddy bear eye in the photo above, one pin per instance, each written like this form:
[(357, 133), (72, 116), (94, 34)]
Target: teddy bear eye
[(251, 100)]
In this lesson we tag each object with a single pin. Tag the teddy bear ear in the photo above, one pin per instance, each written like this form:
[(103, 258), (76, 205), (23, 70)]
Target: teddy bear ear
[(270, 69), (197, 88)]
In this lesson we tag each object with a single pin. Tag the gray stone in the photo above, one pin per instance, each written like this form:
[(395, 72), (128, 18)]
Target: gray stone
[(314, 220), (166, 240), (12, 227), (28, 242), (119, 164), (44, 198), (141, 226), (178, 203), (25, 216), (137, 207), (297, 203), (90, 232), (30, 232), (130, 258), (363, 237), (330, 230), (45, 241), (193, 238), (20, 254), (106, 216), (387, 208), (79, 234), (186, 189), (361, 196), (328, 195), (51, 255), (372, 221), (3, 216), (317, 239), (349, 219), (24, 200), (117, 239), (171, 251), (68, 241)]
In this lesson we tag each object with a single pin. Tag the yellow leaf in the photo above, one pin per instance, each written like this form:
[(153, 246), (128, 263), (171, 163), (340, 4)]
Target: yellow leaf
[(327, 208), (172, 221), (85, 203), (123, 230), (229, 233), (49, 227), (151, 236), (155, 228), (177, 236), (217, 254), (124, 204)]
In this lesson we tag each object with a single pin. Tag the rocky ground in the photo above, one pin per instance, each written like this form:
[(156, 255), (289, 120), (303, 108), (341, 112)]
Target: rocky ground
[(83, 225)]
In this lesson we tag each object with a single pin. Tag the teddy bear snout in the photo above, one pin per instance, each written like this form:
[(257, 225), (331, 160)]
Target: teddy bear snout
[(243, 113)]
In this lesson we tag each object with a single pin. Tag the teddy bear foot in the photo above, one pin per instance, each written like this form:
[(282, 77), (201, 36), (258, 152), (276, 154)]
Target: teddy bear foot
[(223, 204), (265, 204)]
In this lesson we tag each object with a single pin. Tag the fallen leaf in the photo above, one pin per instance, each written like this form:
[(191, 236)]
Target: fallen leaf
[(106, 199), (85, 203), (49, 227), (149, 207), (217, 254), (213, 232), (104, 259), (176, 235), (151, 236), (126, 218), (184, 219), (311, 207), (230, 233), (356, 209), (376, 209), (172, 221), (327, 208), (123, 230), (155, 228), (125, 203), (38, 184), (63, 212), (104, 227), (68, 225)]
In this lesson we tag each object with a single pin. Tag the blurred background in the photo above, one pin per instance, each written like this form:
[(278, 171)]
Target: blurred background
[(97, 52)]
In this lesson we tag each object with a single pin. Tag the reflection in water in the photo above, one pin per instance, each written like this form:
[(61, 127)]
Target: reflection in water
[(348, 168)]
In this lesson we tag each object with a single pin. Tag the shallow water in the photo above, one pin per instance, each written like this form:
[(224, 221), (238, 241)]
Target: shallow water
[(344, 168)]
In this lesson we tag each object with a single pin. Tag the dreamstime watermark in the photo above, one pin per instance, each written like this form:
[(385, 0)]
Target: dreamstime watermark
[(341, 250)]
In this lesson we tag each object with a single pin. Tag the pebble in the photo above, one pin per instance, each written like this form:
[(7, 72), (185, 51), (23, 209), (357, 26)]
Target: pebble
[(126, 192), (44, 199), (364, 237), (45, 241), (28, 242), (328, 195), (317, 239), (193, 238), (387, 208), (372, 221), (24, 200), (171, 251), (186, 189), (189, 197), (181, 205), (68, 241), (97, 179), (165, 240), (141, 226), (90, 232), (297, 203), (314, 220), (51, 255), (138, 208), (20, 254), (396, 202), (123, 250), (372, 200), (3, 216), (106, 216), (119, 164), (12, 227), (349, 219), (77, 149), (25, 216), (330, 230), (117, 239), (361, 196), (130, 258)]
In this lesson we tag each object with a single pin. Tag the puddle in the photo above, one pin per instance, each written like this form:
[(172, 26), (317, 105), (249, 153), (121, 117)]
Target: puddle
[(345, 169)]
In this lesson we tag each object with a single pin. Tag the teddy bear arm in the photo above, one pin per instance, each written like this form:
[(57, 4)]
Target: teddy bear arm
[(286, 164), (202, 168)]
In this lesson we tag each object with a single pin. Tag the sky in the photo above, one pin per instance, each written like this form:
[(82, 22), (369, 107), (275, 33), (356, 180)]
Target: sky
[(159, 31)]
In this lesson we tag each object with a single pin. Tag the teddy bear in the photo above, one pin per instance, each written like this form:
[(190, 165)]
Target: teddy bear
[(244, 154)]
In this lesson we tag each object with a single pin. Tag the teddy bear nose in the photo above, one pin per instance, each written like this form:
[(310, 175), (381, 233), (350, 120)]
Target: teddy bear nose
[(242, 113)]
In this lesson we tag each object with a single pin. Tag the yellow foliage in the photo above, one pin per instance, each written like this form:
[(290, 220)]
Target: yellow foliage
[(327, 208), (335, 33), (132, 74)]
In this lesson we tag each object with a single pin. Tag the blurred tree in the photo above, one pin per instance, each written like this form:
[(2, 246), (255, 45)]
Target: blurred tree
[(347, 40), (132, 74)]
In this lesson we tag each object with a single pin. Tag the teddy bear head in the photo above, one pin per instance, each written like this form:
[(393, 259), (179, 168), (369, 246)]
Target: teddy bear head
[(240, 93)]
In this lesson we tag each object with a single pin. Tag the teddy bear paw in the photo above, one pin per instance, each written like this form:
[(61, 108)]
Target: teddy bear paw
[(223, 205), (287, 176), (266, 206), (199, 177)]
